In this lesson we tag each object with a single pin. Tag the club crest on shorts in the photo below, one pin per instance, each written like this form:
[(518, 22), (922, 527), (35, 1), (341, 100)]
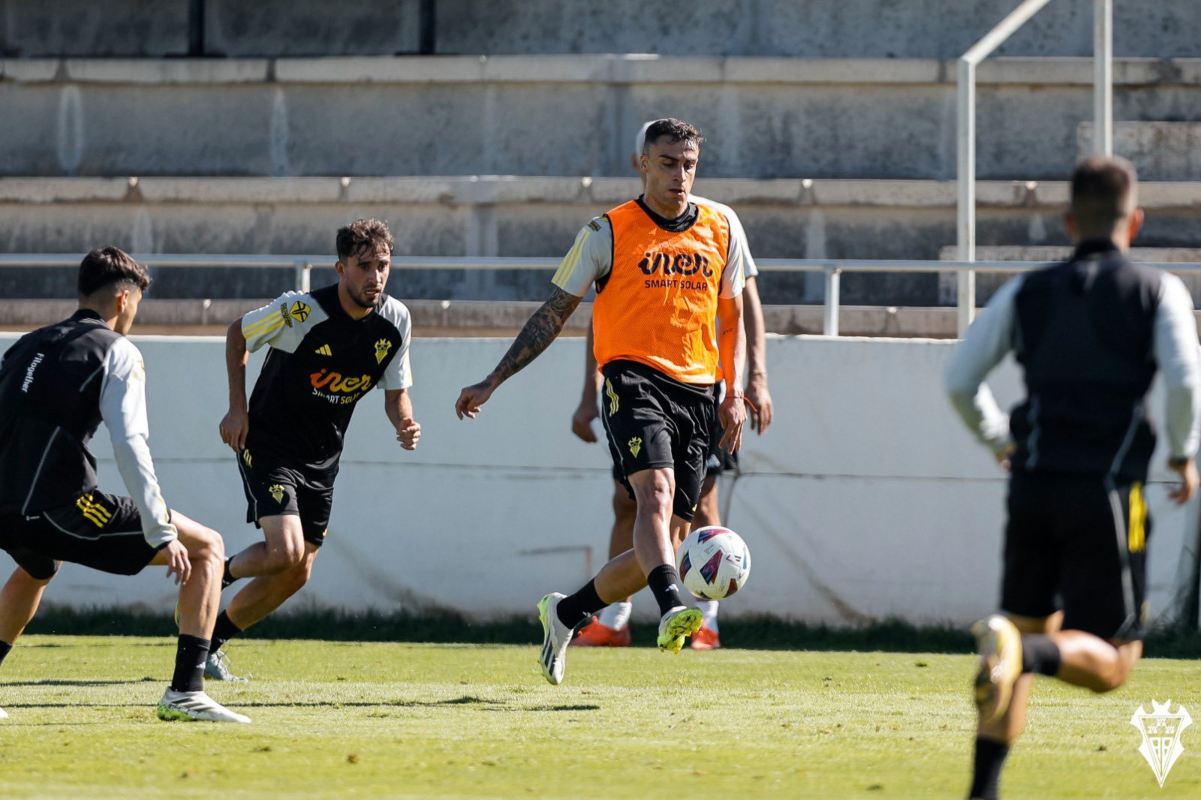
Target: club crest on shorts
[(381, 350), (246, 459), (635, 446), (277, 492), (1161, 729)]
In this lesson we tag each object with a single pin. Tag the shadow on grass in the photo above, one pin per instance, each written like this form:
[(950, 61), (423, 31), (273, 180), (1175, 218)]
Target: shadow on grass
[(54, 682), (443, 627)]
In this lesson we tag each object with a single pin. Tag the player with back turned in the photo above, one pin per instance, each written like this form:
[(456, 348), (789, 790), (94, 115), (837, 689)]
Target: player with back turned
[(667, 271), (57, 384), (1089, 334)]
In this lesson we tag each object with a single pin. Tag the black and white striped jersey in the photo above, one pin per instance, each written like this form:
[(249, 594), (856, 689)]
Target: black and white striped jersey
[(1090, 334), (321, 362), (56, 385)]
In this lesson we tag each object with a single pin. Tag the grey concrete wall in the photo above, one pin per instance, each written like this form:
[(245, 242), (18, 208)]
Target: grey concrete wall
[(527, 217), (806, 28), (34, 28), (565, 115)]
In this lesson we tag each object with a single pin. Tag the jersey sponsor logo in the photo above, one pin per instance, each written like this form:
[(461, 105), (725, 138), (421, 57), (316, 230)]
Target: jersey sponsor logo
[(337, 383), (675, 264), (614, 401), (336, 389), (33, 365), (300, 311), (92, 511), (635, 446), (381, 350), (324, 350), (277, 493), (671, 265)]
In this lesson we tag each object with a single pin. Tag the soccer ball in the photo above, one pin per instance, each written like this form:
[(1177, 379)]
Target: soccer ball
[(714, 562)]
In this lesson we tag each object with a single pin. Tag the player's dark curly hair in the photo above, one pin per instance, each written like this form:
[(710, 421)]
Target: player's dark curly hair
[(107, 266), (363, 236), (676, 129)]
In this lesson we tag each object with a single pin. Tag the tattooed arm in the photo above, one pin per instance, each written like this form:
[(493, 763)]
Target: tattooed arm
[(539, 331)]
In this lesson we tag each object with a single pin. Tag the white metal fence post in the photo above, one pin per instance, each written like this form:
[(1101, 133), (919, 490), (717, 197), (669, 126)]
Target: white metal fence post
[(1103, 77), (830, 310), (966, 211)]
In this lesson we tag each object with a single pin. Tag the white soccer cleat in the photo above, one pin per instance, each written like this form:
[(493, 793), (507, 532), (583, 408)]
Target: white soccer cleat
[(195, 706), (1000, 646), (3, 714), (555, 638), (676, 625), (216, 668)]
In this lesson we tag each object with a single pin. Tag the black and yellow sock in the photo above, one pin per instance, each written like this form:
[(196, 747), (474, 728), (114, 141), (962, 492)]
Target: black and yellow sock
[(1040, 655), (664, 582), (990, 756), (576, 608), (190, 654), (227, 577), (223, 631)]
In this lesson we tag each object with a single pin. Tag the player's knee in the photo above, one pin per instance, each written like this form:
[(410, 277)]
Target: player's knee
[(1114, 677), (299, 575), (655, 495), (206, 545), (292, 555)]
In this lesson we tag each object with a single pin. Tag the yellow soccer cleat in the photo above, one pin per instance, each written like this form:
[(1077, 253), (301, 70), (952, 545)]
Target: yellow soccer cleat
[(676, 625)]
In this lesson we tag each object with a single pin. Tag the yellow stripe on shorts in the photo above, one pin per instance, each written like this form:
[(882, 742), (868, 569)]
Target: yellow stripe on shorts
[(1136, 538)]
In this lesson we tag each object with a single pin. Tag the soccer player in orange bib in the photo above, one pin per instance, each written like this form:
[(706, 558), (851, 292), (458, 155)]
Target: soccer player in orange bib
[(610, 628), (667, 272)]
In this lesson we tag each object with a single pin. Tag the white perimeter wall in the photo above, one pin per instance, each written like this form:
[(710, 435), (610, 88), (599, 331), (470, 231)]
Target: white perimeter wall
[(865, 499)]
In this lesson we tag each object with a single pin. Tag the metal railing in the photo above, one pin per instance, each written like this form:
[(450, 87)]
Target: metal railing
[(832, 269), (966, 100)]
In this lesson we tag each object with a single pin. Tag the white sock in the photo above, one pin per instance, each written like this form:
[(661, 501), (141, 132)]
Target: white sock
[(616, 615), (709, 609)]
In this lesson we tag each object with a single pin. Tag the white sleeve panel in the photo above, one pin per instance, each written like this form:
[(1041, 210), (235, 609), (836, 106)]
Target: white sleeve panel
[(1176, 353), (123, 409), (733, 276), (748, 261), (588, 260), (984, 345), (398, 374), (282, 323)]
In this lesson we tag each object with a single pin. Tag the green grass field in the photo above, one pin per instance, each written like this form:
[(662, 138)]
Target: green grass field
[(343, 720)]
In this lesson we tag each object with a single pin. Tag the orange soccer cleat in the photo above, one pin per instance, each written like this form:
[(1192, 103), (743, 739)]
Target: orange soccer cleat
[(705, 639), (595, 634)]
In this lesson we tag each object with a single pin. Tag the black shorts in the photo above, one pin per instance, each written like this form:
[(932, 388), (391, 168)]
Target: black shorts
[(718, 460), (273, 489), (652, 421), (98, 530), (1078, 543)]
